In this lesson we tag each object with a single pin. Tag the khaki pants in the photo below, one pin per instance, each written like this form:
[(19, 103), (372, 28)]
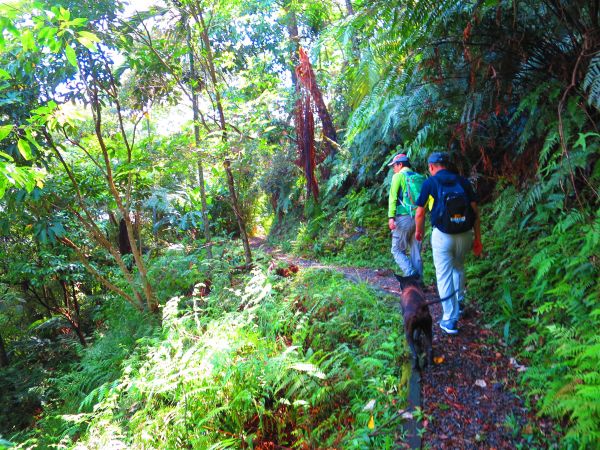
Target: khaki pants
[(406, 250)]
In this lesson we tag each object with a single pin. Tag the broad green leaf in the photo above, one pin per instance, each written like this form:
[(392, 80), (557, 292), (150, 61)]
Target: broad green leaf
[(24, 148), (64, 14), (6, 156), (87, 43), (55, 45), (89, 36), (3, 180), (57, 229), (78, 21), (71, 56), (27, 41), (4, 74), (5, 131), (32, 140), (47, 34)]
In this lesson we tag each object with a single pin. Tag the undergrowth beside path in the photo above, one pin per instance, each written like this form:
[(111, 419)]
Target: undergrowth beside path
[(471, 396), (303, 361)]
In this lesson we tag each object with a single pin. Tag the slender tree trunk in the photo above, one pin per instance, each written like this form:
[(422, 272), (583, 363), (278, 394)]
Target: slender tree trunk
[(70, 311), (76, 327), (238, 215), (349, 8), (317, 96), (292, 29), (223, 125), (3, 355), (196, 112), (88, 221), (124, 204), (76, 323)]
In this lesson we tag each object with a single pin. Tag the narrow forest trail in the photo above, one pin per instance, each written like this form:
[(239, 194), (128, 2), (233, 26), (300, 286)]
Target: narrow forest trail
[(470, 398)]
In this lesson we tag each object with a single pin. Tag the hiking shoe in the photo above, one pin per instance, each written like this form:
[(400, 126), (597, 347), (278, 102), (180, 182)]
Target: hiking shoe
[(448, 326)]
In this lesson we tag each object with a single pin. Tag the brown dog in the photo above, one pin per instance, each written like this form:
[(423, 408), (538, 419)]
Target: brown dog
[(417, 319)]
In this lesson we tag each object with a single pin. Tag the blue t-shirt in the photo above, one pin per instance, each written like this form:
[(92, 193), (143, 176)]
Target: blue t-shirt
[(430, 187)]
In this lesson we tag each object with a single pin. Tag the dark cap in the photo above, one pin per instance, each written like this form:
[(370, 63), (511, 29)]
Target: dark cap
[(438, 158), (399, 158)]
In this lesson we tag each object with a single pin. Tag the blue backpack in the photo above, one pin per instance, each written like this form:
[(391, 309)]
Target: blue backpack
[(457, 215)]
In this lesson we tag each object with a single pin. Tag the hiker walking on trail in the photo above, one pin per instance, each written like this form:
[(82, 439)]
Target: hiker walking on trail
[(405, 188), (455, 222)]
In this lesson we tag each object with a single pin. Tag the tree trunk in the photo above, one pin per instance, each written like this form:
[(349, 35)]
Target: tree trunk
[(292, 29), (223, 125), (309, 80), (196, 113), (236, 210), (77, 322), (124, 245), (70, 311), (77, 329), (3, 355), (349, 8)]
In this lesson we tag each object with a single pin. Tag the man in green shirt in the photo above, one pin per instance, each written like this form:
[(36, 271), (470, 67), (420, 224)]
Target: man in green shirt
[(404, 191)]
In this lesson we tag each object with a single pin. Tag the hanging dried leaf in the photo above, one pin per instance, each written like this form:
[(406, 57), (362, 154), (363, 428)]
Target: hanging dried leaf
[(308, 89), (305, 133)]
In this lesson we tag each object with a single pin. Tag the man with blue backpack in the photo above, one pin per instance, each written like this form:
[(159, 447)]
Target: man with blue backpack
[(455, 222), (405, 188)]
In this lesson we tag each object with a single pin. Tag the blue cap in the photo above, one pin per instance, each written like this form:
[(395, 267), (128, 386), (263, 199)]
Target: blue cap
[(438, 158), (399, 158)]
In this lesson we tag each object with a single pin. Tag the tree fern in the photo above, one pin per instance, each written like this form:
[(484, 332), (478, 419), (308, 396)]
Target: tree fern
[(591, 82), (574, 217)]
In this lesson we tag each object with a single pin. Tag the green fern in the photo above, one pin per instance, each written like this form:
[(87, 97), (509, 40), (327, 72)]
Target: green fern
[(591, 82)]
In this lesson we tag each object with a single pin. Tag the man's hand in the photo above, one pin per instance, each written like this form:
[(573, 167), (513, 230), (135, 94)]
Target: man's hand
[(477, 247), (419, 223), (392, 224)]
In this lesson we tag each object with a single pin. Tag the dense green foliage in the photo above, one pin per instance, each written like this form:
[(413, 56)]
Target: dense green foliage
[(129, 315), (264, 361), (543, 293)]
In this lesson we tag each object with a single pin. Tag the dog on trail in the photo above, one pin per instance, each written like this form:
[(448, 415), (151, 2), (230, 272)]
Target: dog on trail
[(417, 319)]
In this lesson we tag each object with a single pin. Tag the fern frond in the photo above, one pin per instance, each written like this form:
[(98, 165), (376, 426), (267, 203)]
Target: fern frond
[(591, 82)]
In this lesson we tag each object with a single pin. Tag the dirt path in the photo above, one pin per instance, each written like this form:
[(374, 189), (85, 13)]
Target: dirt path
[(470, 397)]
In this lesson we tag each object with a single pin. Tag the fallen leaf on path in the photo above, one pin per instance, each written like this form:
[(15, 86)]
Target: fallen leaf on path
[(438, 359), (369, 406), (407, 415), (481, 383), (520, 368)]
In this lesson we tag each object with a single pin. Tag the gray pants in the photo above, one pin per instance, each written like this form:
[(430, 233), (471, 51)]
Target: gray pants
[(404, 244), (449, 251)]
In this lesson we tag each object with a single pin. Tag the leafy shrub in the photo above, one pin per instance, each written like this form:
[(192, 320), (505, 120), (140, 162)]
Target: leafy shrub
[(540, 282), (291, 361)]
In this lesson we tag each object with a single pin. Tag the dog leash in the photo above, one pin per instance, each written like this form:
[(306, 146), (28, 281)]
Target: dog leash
[(439, 300)]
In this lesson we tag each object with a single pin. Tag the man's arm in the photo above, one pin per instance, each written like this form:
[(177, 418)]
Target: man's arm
[(420, 223)]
